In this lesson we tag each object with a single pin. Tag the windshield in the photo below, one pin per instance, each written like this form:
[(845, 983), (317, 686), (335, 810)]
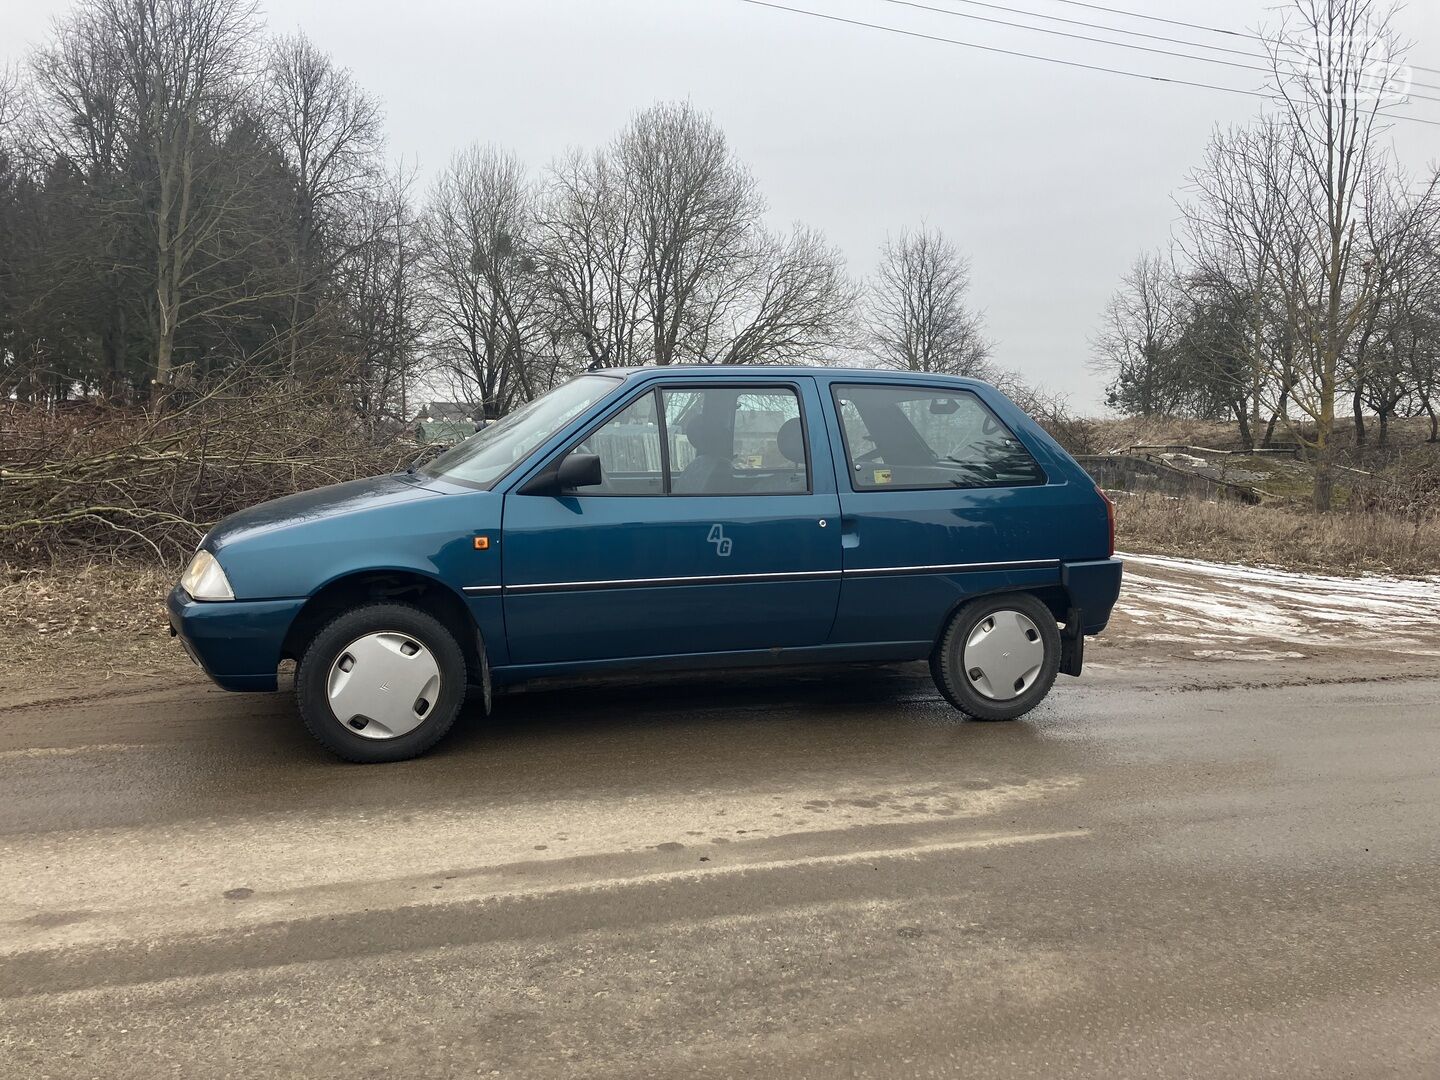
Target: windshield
[(488, 455)]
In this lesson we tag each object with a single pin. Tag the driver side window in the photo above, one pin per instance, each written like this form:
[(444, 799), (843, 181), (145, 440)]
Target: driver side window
[(628, 447), (745, 440), (741, 441)]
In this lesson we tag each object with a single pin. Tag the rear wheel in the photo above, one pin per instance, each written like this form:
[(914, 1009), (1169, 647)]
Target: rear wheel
[(382, 682), (998, 657)]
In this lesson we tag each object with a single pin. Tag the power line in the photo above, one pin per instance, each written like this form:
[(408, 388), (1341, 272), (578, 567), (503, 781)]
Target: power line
[(1096, 40), (1033, 56), (1117, 30), (995, 49), (1112, 29), (1192, 26)]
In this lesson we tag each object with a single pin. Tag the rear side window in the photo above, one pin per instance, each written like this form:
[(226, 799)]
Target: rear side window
[(921, 437)]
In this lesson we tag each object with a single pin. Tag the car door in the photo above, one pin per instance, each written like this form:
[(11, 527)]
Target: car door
[(939, 501), (714, 530)]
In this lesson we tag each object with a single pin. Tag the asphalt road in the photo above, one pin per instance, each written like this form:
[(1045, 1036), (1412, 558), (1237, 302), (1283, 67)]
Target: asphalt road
[(1159, 874)]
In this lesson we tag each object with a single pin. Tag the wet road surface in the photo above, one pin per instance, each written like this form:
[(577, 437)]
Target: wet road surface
[(1163, 872)]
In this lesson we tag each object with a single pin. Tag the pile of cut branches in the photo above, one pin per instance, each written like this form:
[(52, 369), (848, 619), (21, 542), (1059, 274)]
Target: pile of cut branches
[(1408, 488), (95, 480)]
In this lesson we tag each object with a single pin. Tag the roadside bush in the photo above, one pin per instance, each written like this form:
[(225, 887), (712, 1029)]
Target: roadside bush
[(91, 480)]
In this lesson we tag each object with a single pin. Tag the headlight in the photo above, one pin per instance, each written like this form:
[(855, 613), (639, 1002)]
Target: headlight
[(204, 580)]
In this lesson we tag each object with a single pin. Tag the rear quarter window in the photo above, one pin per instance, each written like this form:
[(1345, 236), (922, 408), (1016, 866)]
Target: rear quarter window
[(916, 437)]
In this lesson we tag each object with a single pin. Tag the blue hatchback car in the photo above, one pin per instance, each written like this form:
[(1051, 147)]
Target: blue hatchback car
[(662, 518)]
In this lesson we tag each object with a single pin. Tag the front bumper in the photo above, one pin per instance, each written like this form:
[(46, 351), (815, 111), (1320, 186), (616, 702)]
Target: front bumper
[(236, 642)]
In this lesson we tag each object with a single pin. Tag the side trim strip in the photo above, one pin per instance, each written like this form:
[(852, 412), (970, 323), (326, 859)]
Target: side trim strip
[(741, 579), (481, 590), (956, 568), (699, 579)]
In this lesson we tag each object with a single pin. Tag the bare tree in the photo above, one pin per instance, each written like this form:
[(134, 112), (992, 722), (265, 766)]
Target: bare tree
[(919, 319), (328, 131), (1425, 361), (1325, 56), (9, 101), (1143, 325), (653, 251), (187, 70), (695, 208), (1283, 213), (1234, 244), (1397, 268), (94, 263), (484, 290), (588, 245), (792, 303), (188, 202), (378, 290)]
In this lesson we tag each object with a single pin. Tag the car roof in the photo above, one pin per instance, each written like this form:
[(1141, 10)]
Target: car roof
[(754, 372)]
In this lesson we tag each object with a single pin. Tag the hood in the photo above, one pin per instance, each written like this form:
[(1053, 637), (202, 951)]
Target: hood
[(354, 496)]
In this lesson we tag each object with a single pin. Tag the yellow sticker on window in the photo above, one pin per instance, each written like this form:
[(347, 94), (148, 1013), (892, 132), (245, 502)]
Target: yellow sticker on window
[(882, 476)]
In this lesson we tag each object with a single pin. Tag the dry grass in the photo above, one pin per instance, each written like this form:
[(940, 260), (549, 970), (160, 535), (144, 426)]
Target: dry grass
[(1338, 543), (1121, 432), (106, 619)]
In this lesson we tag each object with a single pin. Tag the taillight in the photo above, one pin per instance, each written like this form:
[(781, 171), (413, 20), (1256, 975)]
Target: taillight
[(1109, 518)]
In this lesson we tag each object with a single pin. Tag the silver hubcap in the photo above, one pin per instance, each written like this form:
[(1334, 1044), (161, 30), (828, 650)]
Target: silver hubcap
[(1003, 655), (383, 685)]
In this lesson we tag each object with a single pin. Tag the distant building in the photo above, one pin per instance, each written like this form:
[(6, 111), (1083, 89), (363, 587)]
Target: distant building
[(447, 422)]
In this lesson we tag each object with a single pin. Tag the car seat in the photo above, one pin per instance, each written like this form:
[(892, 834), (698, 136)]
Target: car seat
[(712, 470)]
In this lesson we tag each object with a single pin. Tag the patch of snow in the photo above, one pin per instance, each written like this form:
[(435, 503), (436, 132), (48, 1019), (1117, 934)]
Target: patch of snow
[(1255, 654), (1207, 602), (1189, 461)]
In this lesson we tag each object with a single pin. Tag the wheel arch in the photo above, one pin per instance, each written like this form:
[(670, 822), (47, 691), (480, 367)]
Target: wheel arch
[(391, 583), (1054, 597)]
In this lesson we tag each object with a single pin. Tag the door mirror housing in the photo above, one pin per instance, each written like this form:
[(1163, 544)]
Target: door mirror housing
[(579, 470), (574, 470)]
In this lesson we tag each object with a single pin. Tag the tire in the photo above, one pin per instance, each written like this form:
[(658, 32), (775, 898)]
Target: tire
[(389, 647), (994, 696)]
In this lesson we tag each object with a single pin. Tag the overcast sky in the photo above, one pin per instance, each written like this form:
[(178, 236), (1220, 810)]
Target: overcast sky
[(1050, 178)]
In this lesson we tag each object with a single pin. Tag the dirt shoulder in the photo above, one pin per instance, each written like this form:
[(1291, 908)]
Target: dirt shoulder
[(67, 626), (1195, 623)]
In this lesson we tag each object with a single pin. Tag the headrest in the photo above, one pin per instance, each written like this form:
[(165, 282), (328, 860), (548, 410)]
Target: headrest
[(790, 440), (707, 435)]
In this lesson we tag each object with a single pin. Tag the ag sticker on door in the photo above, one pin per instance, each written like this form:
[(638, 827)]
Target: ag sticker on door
[(882, 476)]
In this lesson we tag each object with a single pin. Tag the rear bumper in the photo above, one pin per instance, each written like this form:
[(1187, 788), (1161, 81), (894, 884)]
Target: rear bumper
[(235, 642), (1093, 587)]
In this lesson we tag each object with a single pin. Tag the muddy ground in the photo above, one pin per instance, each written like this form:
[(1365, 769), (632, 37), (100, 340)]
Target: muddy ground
[(1212, 856)]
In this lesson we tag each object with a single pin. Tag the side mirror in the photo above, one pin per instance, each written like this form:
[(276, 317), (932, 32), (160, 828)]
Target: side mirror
[(579, 470)]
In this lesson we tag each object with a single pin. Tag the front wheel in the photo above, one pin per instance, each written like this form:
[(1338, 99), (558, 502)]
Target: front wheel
[(381, 682), (998, 657)]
